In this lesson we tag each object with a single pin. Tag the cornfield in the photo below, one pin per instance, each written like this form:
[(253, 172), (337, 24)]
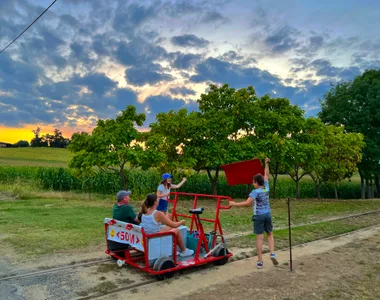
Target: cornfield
[(144, 182)]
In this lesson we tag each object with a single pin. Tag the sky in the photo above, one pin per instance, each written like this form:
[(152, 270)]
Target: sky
[(88, 59)]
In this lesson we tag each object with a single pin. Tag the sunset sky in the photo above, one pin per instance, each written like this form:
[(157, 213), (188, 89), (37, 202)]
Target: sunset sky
[(89, 59)]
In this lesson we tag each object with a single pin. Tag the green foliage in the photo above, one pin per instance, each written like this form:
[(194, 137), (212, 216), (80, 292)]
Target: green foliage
[(56, 140), (167, 136), (355, 104), (277, 121), (21, 143), (112, 147), (304, 150), (143, 182), (340, 156)]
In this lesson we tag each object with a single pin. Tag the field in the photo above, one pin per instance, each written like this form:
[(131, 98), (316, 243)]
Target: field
[(47, 216), (58, 222), (40, 157), (47, 169)]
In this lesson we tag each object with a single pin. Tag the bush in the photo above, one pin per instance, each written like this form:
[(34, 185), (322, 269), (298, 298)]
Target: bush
[(145, 182)]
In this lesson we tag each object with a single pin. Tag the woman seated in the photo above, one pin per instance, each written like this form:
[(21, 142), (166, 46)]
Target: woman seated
[(152, 219)]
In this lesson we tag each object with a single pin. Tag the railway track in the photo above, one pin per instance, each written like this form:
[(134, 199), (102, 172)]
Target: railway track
[(191, 271), (153, 280), (53, 270)]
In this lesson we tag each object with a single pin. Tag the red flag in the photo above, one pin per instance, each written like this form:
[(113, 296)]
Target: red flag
[(242, 172)]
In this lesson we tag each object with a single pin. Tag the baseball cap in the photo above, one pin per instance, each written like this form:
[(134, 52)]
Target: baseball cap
[(120, 195), (166, 176)]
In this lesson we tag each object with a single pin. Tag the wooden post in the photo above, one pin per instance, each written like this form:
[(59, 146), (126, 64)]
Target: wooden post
[(290, 237)]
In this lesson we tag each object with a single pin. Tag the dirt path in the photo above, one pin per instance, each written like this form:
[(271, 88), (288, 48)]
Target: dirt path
[(317, 264), (336, 268)]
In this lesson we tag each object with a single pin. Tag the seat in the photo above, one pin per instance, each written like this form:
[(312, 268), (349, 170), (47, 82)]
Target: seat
[(196, 211)]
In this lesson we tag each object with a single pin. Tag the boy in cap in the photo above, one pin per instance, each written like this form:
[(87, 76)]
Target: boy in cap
[(262, 217), (122, 211)]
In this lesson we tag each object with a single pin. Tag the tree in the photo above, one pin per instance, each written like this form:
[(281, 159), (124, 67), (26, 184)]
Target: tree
[(38, 141), (113, 146), (170, 130), (214, 133), (277, 120), (22, 143), (341, 154), (57, 140), (304, 150), (356, 105)]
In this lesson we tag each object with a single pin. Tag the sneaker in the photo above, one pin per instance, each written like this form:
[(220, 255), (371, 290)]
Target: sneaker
[(274, 259), (187, 252), (259, 264)]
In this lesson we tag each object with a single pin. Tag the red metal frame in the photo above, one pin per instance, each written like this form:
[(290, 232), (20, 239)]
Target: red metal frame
[(142, 262), (216, 220)]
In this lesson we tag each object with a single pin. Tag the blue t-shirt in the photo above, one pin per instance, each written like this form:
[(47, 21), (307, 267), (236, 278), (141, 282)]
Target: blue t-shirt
[(261, 199), (163, 190)]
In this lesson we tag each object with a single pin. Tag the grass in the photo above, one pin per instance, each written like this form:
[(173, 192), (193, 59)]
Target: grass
[(310, 232), (50, 222), (302, 212), (41, 157)]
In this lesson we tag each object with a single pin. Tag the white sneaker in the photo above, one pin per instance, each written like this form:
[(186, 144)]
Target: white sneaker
[(187, 252)]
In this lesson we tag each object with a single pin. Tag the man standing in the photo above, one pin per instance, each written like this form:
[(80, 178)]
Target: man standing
[(122, 211)]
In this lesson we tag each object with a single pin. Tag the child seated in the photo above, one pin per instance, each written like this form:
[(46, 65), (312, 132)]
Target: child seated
[(152, 219)]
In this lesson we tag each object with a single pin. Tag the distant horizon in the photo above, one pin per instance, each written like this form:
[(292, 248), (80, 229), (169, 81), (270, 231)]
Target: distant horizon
[(82, 60)]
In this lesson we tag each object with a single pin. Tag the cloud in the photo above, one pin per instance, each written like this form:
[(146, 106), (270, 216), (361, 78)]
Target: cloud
[(138, 52), (213, 17), (98, 83), (282, 40), (80, 52), (316, 42), (128, 18), (125, 97), (189, 40), (182, 91), (216, 70), (232, 56), (58, 90), (69, 20), (324, 68), (180, 8), (17, 75), (20, 110), (146, 74), (163, 103), (185, 61), (213, 70)]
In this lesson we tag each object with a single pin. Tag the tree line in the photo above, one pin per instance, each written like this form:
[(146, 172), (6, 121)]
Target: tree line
[(234, 125), (55, 140)]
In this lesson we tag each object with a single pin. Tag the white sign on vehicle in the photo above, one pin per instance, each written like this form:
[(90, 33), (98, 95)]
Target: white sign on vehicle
[(122, 235)]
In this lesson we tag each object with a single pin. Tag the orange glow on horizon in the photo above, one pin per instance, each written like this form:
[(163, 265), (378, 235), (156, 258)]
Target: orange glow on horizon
[(14, 134)]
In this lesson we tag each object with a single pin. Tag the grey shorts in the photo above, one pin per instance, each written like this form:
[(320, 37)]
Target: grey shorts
[(262, 223)]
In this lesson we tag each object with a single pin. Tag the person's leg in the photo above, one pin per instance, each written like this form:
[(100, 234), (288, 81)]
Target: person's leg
[(270, 241), (180, 242), (259, 246), (268, 227), (258, 229), (269, 230)]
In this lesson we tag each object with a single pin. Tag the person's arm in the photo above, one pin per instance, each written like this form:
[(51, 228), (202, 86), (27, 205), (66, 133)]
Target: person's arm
[(137, 220), (131, 215), (160, 217), (245, 203), (177, 186), (266, 176)]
